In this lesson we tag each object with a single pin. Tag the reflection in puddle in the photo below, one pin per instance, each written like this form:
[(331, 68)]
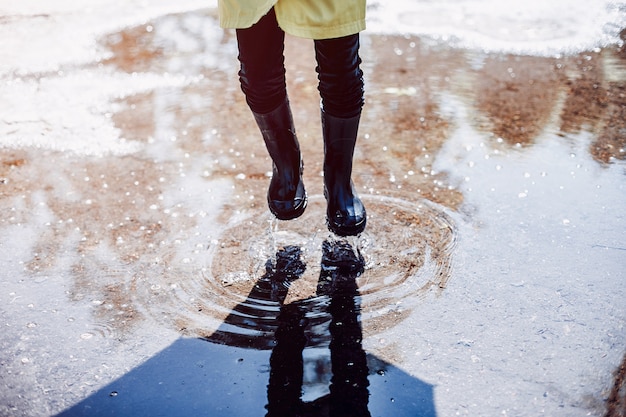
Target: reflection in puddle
[(407, 251), (348, 391), (223, 381), (335, 379)]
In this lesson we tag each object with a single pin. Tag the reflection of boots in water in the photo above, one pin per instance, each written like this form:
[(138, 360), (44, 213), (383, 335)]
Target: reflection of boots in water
[(279, 275), (286, 364), (286, 196), (340, 267), (349, 395), (253, 316)]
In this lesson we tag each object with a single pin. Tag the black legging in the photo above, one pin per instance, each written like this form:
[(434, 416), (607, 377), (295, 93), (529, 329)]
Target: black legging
[(262, 73)]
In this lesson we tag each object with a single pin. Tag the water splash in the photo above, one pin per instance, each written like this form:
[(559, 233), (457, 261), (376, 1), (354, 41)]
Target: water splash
[(406, 253)]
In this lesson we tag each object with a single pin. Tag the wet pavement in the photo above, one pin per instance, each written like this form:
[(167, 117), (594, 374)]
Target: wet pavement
[(142, 273)]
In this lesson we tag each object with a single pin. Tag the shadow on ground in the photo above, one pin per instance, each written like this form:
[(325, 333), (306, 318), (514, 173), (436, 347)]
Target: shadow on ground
[(316, 365)]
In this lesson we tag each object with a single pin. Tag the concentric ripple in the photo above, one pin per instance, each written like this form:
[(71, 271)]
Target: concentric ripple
[(260, 264)]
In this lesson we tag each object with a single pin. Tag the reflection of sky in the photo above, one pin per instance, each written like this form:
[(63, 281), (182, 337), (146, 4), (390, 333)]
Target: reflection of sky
[(523, 26), (537, 184)]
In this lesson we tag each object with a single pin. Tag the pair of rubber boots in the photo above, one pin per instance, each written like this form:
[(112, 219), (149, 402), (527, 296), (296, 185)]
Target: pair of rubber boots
[(286, 197)]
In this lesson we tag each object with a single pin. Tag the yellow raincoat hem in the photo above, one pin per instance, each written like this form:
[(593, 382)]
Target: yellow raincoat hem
[(312, 19), (243, 17), (316, 32)]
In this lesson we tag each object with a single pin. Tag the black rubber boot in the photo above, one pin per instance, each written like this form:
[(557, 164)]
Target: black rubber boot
[(286, 196), (345, 213)]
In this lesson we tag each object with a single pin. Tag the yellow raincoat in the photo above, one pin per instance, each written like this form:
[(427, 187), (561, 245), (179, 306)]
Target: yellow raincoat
[(313, 19)]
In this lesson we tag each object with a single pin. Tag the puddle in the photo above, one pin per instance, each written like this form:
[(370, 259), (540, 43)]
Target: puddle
[(317, 365), (407, 253)]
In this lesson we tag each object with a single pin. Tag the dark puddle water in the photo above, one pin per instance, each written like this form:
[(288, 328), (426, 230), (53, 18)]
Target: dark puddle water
[(193, 377)]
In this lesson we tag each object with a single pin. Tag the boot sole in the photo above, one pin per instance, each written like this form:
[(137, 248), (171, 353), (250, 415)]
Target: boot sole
[(288, 215), (343, 231)]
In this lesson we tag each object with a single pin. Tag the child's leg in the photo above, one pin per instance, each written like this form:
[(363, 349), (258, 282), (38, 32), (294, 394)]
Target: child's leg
[(262, 77)]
